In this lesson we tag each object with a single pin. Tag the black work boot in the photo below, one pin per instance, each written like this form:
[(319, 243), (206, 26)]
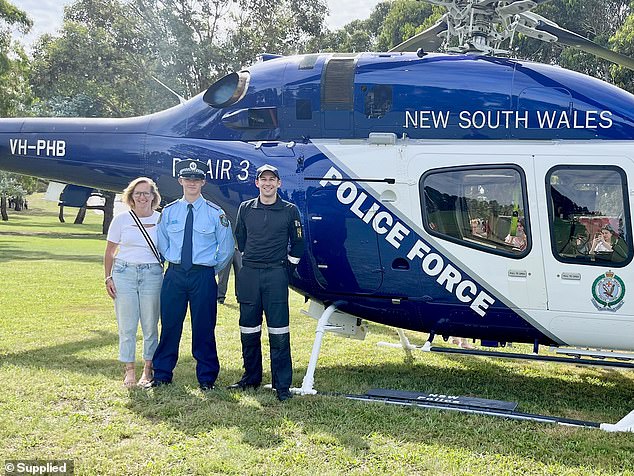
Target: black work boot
[(283, 395)]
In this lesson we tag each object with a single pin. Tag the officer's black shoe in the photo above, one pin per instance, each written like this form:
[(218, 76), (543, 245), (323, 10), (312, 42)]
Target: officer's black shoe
[(283, 395), (243, 386), (205, 387), (159, 383)]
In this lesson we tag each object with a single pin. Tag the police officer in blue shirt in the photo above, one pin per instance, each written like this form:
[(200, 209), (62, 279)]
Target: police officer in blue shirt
[(195, 238)]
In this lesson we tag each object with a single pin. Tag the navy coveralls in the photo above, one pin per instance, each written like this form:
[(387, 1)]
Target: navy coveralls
[(212, 248), (264, 234)]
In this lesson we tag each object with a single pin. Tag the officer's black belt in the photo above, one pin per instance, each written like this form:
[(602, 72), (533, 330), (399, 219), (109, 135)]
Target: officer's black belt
[(194, 266), (255, 264)]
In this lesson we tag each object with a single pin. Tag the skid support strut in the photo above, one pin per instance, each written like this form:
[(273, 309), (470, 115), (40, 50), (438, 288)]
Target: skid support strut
[(309, 378)]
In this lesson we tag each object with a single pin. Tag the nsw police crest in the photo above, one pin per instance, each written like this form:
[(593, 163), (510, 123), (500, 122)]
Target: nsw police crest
[(224, 221), (608, 291)]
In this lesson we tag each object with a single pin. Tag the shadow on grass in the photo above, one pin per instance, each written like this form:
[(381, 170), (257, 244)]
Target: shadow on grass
[(53, 234), (260, 417), (37, 211), (28, 212), (20, 254), (63, 356), (592, 394)]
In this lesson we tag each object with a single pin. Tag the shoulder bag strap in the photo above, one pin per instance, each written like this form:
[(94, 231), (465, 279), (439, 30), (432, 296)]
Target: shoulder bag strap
[(146, 236)]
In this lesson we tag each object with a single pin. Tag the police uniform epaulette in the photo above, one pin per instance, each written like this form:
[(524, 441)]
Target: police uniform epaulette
[(170, 204), (212, 205)]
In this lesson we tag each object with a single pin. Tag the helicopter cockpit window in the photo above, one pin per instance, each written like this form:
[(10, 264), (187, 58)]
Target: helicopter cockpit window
[(484, 208), (589, 222), (227, 90), (263, 118)]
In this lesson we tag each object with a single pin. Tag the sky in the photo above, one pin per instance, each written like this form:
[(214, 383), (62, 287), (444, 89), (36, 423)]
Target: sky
[(47, 14)]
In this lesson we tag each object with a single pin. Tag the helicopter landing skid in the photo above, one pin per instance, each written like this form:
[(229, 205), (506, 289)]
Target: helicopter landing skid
[(461, 404), (600, 359), (477, 406)]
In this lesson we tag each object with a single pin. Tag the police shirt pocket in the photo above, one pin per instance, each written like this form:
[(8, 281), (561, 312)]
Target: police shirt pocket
[(206, 232), (175, 228), (205, 238)]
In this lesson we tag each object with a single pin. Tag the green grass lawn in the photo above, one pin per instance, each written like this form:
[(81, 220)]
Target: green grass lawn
[(61, 395)]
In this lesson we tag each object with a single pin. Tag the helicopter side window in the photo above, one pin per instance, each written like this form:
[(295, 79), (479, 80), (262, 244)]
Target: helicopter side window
[(378, 100), (589, 219), (263, 118), (484, 208)]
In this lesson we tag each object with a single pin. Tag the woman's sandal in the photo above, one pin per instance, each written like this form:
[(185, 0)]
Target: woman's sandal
[(147, 377), (129, 380)]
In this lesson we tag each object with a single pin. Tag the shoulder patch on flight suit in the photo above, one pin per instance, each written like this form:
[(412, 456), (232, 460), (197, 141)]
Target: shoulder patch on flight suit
[(298, 228), (224, 221)]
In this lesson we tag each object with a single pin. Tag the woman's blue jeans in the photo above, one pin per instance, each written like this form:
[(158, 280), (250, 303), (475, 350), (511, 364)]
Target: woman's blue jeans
[(138, 299)]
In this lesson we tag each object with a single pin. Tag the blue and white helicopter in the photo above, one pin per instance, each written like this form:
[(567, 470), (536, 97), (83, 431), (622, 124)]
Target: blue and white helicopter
[(463, 194)]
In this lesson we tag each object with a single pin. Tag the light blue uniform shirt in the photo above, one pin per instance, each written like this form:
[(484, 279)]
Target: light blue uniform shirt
[(212, 240)]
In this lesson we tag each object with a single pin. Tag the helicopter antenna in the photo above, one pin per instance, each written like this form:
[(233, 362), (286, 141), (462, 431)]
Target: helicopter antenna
[(181, 99)]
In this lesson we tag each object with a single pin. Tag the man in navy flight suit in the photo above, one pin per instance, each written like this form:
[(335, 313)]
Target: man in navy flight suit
[(195, 238), (269, 235)]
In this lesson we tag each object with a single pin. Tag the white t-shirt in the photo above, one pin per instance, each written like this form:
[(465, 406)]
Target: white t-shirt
[(133, 247), (602, 247)]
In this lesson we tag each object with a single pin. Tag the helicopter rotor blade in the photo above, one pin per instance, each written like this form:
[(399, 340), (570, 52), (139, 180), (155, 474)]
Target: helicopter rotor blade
[(536, 26), (428, 40), (569, 38)]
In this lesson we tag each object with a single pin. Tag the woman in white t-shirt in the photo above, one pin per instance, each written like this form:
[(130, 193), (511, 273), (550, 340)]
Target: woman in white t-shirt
[(134, 276), (602, 242)]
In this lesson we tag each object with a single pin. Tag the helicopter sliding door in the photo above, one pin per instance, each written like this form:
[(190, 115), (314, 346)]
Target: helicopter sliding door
[(480, 215), (588, 246)]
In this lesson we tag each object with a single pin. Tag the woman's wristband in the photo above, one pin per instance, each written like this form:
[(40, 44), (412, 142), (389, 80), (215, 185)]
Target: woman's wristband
[(108, 278)]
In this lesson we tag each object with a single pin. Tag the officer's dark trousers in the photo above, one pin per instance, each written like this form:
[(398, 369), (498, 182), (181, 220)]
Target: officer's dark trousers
[(265, 289), (198, 288)]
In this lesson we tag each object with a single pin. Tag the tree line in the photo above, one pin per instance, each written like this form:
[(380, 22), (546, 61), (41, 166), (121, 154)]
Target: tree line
[(108, 55)]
